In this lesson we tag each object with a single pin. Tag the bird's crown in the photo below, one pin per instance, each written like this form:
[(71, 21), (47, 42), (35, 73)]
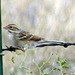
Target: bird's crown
[(11, 27)]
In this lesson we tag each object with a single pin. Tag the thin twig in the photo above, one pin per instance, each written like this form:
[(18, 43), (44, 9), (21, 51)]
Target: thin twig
[(57, 44)]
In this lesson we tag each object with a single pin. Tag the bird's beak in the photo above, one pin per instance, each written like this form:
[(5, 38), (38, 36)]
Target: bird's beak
[(5, 28)]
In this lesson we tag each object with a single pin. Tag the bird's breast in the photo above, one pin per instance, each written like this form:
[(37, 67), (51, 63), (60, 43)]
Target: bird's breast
[(12, 39)]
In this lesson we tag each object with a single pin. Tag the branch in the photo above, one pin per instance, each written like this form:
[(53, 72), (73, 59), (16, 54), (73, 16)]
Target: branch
[(66, 44), (11, 48)]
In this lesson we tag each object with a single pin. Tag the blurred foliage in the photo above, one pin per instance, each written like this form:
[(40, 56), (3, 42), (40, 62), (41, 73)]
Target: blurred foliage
[(51, 19)]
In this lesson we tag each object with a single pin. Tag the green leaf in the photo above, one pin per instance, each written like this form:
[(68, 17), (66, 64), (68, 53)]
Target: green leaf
[(65, 66), (63, 62), (58, 58), (64, 73), (58, 69), (13, 59), (54, 68), (46, 74), (30, 72), (48, 62), (18, 53)]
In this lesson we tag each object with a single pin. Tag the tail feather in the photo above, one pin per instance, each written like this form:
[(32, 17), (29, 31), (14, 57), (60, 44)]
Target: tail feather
[(50, 41)]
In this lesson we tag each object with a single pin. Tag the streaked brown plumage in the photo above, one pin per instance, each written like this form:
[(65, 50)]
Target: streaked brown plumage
[(23, 39)]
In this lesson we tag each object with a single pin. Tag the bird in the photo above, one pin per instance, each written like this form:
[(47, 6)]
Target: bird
[(25, 40)]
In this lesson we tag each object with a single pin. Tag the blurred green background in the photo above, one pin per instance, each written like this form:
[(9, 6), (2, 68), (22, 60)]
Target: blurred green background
[(51, 19)]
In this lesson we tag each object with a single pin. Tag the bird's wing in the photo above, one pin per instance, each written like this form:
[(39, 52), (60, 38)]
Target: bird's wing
[(35, 38), (23, 35), (26, 36)]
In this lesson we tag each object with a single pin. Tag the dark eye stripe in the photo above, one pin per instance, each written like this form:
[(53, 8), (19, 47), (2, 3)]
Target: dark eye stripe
[(14, 29)]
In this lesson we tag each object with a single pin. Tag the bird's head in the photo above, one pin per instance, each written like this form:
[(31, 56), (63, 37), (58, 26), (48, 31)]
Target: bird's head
[(11, 28)]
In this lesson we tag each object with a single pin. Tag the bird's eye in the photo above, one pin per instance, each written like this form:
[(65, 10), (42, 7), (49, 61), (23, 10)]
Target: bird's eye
[(11, 27)]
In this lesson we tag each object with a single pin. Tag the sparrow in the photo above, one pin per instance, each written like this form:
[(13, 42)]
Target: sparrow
[(24, 40)]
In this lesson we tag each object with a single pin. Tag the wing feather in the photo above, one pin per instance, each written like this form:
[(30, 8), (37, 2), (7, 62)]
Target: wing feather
[(23, 35)]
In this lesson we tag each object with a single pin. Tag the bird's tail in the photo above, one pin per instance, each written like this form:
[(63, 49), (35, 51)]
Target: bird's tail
[(50, 42)]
